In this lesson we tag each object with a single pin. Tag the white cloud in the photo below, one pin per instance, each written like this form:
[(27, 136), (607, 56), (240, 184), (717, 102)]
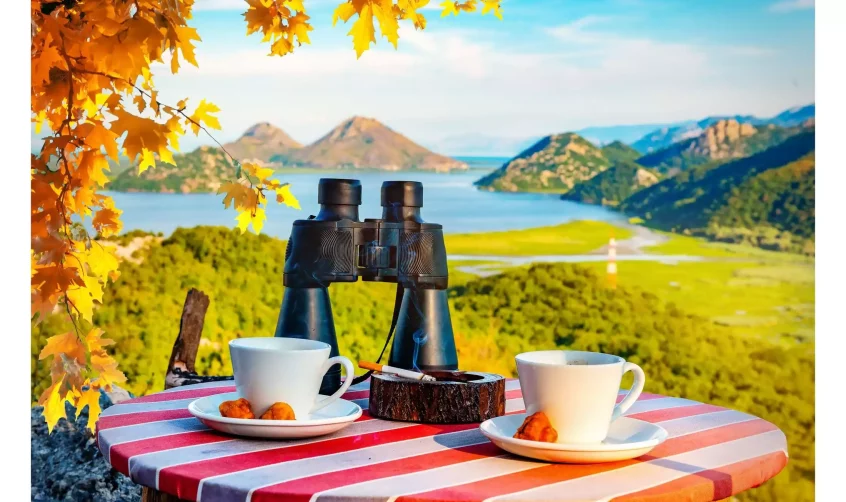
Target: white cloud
[(791, 5)]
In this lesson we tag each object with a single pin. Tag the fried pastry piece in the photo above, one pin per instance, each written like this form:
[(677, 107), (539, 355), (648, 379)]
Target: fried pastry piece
[(279, 411), (536, 427), (236, 409)]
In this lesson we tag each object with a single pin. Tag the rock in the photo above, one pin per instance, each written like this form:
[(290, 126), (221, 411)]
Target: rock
[(67, 466)]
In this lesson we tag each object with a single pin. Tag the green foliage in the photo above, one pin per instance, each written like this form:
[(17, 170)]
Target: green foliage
[(543, 306), (772, 189), (613, 185), (575, 237)]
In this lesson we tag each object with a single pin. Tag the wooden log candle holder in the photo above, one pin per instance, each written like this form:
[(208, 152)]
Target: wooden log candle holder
[(456, 397)]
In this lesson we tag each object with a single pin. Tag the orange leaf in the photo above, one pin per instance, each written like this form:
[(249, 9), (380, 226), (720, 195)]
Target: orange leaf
[(66, 343)]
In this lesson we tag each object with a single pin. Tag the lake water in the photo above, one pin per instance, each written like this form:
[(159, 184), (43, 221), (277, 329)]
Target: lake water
[(448, 199)]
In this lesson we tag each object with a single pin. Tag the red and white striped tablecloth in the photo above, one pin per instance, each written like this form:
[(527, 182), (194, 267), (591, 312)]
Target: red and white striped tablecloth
[(712, 453)]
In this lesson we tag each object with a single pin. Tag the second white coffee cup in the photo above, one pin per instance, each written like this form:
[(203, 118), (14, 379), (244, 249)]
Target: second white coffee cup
[(269, 370), (577, 391)]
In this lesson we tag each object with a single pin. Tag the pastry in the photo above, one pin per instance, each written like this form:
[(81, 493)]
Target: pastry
[(279, 411), (536, 427), (239, 408)]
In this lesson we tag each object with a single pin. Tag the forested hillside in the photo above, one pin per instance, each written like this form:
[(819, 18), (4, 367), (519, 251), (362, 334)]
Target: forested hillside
[(544, 306), (766, 199), (614, 185)]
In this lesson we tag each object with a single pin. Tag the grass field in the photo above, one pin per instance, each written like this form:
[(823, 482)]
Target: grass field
[(575, 237), (754, 292), (684, 245), (775, 302)]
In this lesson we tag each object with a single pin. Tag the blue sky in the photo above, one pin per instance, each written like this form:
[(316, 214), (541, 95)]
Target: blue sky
[(549, 66)]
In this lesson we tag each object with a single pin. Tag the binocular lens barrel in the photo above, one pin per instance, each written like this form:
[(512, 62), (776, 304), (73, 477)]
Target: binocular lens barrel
[(402, 193), (337, 191)]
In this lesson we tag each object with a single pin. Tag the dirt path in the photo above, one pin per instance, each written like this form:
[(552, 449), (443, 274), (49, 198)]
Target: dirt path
[(634, 245)]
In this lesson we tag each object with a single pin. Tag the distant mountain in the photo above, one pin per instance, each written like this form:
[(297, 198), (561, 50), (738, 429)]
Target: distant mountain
[(614, 185), (554, 164), (363, 143), (766, 198), (261, 142), (665, 136), (602, 135), (719, 142), (794, 116), (618, 151)]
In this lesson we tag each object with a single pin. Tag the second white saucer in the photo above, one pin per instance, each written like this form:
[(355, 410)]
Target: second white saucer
[(627, 438)]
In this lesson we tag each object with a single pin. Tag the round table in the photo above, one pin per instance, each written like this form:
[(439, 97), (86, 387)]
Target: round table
[(711, 454)]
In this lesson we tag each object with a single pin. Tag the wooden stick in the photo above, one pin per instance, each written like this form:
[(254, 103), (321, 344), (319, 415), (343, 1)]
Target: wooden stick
[(180, 368)]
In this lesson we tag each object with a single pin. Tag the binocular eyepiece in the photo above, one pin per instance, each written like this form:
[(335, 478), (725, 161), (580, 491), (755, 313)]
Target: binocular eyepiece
[(339, 199), (399, 247)]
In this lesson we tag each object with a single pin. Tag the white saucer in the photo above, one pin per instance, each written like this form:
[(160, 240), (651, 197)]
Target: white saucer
[(628, 438), (332, 418)]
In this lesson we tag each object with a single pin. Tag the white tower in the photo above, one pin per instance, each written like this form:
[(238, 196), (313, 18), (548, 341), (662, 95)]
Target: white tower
[(612, 263)]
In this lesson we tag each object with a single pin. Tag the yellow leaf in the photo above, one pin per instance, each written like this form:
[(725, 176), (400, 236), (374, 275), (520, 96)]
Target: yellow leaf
[(101, 260), (54, 404), (107, 368), (387, 24), (235, 192), (39, 120), (492, 5), (283, 194), (166, 156), (147, 160), (255, 217), (83, 304), (186, 35), (449, 8), (203, 115), (296, 5), (94, 340), (91, 399), (343, 12), (94, 287), (362, 31), (66, 343)]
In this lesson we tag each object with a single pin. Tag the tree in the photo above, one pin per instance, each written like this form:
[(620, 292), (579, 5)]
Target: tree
[(93, 87)]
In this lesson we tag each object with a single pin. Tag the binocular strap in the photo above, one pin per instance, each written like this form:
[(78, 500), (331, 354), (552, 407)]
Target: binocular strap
[(397, 305)]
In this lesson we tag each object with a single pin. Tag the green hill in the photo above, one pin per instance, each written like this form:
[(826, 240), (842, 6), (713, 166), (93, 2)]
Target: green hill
[(614, 185), (720, 142), (202, 170), (617, 151), (553, 164), (544, 306), (766, 199)]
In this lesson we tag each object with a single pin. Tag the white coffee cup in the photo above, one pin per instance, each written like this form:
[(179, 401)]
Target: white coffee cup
[(269, 370), (577, 391)]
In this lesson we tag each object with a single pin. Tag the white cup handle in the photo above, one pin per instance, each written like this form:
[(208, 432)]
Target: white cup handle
[(332, 361), (634, 392)]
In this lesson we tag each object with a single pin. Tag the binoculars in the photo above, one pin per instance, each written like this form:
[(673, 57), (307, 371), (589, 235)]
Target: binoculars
[(335, 246)]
